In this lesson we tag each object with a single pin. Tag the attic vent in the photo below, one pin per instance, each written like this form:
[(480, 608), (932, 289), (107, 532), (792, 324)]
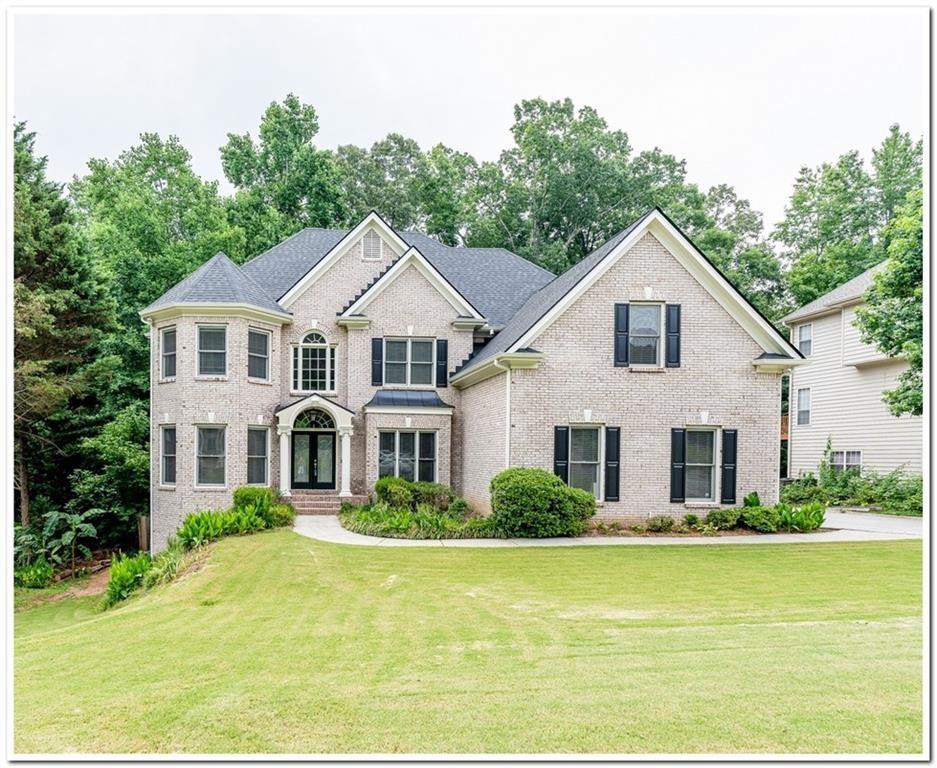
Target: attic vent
[(371, 246)]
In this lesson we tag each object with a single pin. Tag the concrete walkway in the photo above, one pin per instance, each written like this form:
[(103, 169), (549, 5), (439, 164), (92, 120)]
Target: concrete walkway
[(842, 527)]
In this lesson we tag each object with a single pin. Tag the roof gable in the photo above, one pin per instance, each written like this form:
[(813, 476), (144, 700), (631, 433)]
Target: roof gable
[(851, 290)]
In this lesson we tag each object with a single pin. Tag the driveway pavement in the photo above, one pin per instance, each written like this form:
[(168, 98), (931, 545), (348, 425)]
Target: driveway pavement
[(848, 526)]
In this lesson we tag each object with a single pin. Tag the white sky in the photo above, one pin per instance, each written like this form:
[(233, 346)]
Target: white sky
[(746, 97)]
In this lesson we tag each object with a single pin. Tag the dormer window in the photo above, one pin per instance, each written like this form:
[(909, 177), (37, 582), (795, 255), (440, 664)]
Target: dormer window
[(314, 364), (372, 246)]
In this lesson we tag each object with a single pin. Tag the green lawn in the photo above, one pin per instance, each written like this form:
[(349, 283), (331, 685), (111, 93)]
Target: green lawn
[(283, 644)]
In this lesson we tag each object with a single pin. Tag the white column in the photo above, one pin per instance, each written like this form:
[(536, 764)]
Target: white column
[(346, 462), (284, 433)]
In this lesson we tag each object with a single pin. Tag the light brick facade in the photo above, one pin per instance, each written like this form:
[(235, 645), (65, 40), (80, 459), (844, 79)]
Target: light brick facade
[(493, 423)]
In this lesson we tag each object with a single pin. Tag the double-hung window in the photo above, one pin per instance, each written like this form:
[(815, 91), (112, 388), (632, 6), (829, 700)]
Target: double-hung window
[(210, 456), (805, 339), (168, 459), (644, 324), (410, 455), (257, 455), (408, 361), (840, 461), (700, 465), (314, 364), (584, 459), (212, 350), (258, 354), (803, 406), (168, 352)]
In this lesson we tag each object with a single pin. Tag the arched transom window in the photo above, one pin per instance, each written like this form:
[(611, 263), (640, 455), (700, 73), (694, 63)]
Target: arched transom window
[(314, 419), (314, 364)]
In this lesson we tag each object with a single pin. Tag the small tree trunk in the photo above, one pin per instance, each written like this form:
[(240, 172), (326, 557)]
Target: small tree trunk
[(23, 483)]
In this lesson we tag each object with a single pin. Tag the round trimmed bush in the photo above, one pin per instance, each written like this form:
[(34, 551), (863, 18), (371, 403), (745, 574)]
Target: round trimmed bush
[(761, 519), (394, 491), (534, 503), (723, 519)]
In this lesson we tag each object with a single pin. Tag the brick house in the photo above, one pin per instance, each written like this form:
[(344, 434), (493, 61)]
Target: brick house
[(339, 356)]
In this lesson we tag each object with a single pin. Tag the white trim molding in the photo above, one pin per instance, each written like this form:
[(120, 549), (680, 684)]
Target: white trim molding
[(497, 364), (415, 410), (215, 309)]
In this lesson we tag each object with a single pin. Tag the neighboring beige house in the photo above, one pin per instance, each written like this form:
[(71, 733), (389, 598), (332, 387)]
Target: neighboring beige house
[(336, 357), (837, 393)]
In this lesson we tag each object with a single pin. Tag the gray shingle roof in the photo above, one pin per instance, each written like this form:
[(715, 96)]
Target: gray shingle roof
[(852, 289), (543, 300), (218, 280), (408, 398), (280, 268)]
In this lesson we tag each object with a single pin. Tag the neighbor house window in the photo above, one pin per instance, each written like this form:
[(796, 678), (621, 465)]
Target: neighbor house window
[(371, 245), (314, 364), (212, 350), (168, 348), (410, 455), (805, 339), (803, 406), (584, 459), (168, 462), (408, 361), (257, 455), (258, 354), (210, 456), (644, 334), (700, 464), (840, 461)]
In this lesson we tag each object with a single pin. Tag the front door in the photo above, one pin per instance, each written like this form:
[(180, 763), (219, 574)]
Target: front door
[(313, 460)]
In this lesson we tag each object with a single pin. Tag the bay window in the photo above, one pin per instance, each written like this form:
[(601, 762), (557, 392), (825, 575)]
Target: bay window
[(210, 456), (212, 350), (314, 364)]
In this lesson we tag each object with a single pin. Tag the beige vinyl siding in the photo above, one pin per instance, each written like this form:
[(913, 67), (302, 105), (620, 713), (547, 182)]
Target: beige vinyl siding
[(846, 379)]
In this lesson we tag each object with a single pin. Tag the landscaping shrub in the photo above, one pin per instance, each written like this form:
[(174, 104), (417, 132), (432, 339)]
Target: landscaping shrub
[(425, 522), (126, 576), (36, 575), (437, 495), (723, 519), (752, 500), (761, 519), (660, 523), (459, 507), (529, 502), (802, 490), (895, 492), (808, 517), (691, 520), (261, 499), (166, 565), (280, 515), (394, 491), (199, 528)]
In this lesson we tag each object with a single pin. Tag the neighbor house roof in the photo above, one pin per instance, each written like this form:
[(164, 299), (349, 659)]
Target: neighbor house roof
[(848, 291), (218, 281)]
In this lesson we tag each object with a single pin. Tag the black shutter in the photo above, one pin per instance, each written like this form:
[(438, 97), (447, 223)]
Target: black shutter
[(612, 462), (729, 454), (561, 453), (442, 362), (677, 464), (673, 335), (621, 335), (377, 362)]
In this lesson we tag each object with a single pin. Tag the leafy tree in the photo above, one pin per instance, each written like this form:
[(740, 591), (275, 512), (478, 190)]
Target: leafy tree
[(897, 167), (59, 309), (445, 187), (893, 317), (284, 172)]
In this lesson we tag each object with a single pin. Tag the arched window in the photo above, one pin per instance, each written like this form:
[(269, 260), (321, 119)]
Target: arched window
[(314, 419), (314, 364), (371, 245)]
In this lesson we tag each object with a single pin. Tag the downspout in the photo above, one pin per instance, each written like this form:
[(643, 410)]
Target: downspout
[(153, 361), (507, 426)]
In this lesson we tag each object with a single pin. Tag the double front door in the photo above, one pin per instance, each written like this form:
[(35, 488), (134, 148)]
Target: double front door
[(313, 460)]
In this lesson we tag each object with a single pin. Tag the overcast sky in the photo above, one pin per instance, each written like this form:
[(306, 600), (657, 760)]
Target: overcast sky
[(746, 97)]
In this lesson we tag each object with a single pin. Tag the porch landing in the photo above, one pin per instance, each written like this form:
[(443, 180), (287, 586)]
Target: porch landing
[(311, 502)]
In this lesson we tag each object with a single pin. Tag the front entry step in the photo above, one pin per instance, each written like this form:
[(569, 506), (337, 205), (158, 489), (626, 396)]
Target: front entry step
[(321, 502)]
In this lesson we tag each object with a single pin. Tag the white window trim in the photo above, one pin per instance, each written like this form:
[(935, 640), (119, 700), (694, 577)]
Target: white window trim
[(661, 334), (717, 462), (844, 465), (211, 486), (265, 429), (268, 356), (808, 409), (163, 353), (296, 378), (380, 248), (601, 461), (416, 453), (162, 455), (198, 351), (408, 362), (800, 340)]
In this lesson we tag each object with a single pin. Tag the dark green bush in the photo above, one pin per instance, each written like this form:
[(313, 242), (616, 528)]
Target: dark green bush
[(459, 507), (691, 520), (126, 576), (394, 491), (752, 500), (583, 504), (280, 515), (801, 490), (762, 519), (261, 499), (36, 575), (660, 523), (529, 502), (437, 495), (723, 519), (425, 522)]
